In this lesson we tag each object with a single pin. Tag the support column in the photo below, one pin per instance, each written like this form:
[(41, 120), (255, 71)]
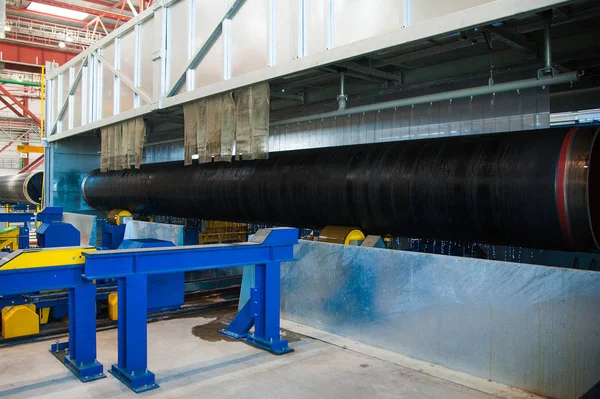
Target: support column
[(132, 369), (262, 311), (81, 359)]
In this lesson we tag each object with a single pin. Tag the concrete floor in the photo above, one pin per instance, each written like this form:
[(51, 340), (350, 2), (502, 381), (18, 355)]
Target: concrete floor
[(190, 359)]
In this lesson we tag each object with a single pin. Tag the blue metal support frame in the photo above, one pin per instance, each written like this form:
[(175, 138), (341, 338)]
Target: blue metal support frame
[(112, 236), (24, 236), (262, 312), (50, 214), (53, 232), (268, 248), (133, 335), (16, 217), (20, 217), (82, 305), (82, 333)]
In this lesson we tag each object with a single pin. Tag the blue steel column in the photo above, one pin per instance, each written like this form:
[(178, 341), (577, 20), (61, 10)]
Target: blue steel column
[(24, 236), (266, 295), (272, 290), (262, 311), (133, 334), (82, 333), (257, 297)]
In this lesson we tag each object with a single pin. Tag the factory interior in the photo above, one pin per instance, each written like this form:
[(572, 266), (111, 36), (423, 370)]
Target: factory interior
[(300, 198)]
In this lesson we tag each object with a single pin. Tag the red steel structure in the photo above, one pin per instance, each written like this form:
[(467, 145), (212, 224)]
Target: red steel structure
[(59, 34), (33, 38)]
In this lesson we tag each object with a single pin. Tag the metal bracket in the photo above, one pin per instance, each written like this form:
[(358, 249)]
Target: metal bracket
[(85, 372), (547, 72), (261, 312), (140, 382)]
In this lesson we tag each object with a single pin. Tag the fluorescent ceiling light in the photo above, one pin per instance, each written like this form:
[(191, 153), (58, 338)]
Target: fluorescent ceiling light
[(58, 11)]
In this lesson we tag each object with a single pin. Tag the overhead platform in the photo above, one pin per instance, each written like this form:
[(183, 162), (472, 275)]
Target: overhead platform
[(200, 48)]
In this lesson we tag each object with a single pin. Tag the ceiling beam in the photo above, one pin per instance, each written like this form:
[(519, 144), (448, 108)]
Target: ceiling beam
[(353, 66), (357, 75), (565, 11), (513, 40), (288, 96), (415, 55), (123, 17), (103, 3), (34, 14), (364, 76), (308, 81), (88, 10)]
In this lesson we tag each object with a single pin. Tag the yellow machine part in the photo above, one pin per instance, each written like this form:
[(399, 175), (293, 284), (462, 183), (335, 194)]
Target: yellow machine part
[(44, 314), (26, 148), (115, 217), (34, 258), (341, 235), (9, 237), (113, 306), (217, 232), (18, 321), (21, 320)]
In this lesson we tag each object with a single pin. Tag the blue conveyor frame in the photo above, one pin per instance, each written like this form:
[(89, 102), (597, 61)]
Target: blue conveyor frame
[(268, 248)]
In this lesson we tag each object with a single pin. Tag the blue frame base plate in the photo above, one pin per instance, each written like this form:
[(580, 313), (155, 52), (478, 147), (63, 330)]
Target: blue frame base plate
[(141, 382), (87, 372), (279, 347), (233, 335)]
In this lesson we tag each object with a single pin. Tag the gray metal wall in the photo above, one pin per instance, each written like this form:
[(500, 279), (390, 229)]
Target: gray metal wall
[(503, 112), (164, 152), (531, 327), (66, 165), (525, 110)]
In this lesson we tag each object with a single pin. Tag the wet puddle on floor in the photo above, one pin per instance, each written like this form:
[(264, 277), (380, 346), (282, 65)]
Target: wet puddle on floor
[(210, 331)]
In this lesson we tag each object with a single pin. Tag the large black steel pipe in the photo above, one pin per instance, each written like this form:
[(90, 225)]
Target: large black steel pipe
[(25, 188), (537, 189)]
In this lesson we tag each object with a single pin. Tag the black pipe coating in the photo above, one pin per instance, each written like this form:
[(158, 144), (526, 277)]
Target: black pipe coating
[(533, 189), (25, 188)]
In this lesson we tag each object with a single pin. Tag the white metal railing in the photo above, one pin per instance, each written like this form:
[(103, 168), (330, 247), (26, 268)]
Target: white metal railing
[(18, 76), (10, 163), (26, 29), (12, 129)]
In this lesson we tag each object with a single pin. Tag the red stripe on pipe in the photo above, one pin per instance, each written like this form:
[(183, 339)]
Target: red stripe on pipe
[(561, 201)]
